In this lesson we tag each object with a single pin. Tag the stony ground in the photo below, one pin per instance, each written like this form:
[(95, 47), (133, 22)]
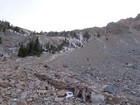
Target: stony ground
[(105, 71), (34, 81), (110, 59)]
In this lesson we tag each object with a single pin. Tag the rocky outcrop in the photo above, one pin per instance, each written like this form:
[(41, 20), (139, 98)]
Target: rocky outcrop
[(117, 28), (79, 89), (83, 91)]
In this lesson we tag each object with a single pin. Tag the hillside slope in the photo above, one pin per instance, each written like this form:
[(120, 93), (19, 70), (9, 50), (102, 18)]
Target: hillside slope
[(100, 66), (112, 58)]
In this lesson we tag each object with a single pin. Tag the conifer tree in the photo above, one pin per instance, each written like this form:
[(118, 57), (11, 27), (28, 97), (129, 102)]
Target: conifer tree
[(31, 49)]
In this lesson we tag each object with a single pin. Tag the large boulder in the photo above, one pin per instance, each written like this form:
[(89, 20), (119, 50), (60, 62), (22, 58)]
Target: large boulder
[(21, 102), (110, 89), (61, 93), (5, 84), (98, 99)]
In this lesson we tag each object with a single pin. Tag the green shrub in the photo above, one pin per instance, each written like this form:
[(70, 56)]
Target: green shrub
[(98, 35), (86, 35), (74, 35), (4, 25), (22, 51), (31, 49), (17, 29)]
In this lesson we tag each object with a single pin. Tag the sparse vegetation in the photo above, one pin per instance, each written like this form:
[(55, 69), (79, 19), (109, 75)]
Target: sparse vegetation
[(51, 48), (22, 51), (74, 35), (31, 49), (64, 43), (52, 34), (17, 29), (98, 35), (86, 36), (56, 48), (106, 39), (4, 25)]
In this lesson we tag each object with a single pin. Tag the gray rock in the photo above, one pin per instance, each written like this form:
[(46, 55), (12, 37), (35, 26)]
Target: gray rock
[(31, 85), (3, 103), (97, 98), (21, 102), (12, 81), (58, 99), (19, 86), (1, 100), (13, 102), (110, 89), (24, 94), (5, 84), (18, 90), (61, 93), (37, 83), (29, 101), (41, 91)]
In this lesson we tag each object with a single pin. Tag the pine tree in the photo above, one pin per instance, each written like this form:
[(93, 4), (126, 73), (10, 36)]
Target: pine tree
[(22, 51), (31, 49)]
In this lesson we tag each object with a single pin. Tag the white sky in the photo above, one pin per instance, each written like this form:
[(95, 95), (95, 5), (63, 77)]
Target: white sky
[(59, 15)]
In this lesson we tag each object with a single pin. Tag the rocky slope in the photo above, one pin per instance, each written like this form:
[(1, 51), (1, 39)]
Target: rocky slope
[(110, 58), (101, 68)]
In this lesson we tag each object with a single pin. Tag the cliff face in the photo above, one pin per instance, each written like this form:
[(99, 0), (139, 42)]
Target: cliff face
[(98, 65)]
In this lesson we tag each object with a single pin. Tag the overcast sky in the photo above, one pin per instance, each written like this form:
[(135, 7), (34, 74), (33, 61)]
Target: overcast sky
[(59, 15)]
